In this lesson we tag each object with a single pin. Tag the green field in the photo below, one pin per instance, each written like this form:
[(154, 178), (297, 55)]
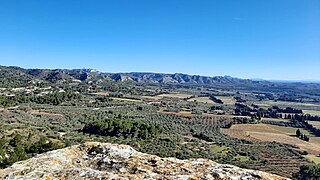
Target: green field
[(314, 158)]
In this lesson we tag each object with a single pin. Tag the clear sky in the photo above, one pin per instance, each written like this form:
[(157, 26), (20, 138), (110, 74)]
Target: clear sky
[(269, 39)]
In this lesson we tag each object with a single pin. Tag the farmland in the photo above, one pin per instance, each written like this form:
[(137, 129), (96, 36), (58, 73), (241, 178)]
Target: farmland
[(275, 120), (315, 159), (101, 93), (201, 99), (315, 124), (236, 122), (316, 113), (175, 95), (264, 132), (306, 106), (125, 99), (227, 99)]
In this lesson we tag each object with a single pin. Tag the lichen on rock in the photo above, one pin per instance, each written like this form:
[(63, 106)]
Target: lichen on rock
[(93, 160)]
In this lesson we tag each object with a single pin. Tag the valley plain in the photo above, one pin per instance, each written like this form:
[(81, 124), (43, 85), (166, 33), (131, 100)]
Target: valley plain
[(251, 124)]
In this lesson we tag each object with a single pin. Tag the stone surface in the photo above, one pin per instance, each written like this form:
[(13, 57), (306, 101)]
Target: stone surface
[(95, 160)]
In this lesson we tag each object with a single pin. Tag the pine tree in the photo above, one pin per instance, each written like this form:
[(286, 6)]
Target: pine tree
[(298, 133)]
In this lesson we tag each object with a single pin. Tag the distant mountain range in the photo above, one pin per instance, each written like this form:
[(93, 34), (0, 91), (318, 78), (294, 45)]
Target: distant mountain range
[(53, 75), (172, 78), (12, 74)]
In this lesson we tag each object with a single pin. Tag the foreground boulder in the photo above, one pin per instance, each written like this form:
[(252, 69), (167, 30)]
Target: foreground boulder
[(94, 160)]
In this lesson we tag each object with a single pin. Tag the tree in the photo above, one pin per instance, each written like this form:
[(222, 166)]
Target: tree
[(311, 172), (298, 133), (3, 150), (19, 154), (16, 140)]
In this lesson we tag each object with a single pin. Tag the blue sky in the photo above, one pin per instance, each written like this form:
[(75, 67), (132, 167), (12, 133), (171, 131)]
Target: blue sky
[(271, 39)]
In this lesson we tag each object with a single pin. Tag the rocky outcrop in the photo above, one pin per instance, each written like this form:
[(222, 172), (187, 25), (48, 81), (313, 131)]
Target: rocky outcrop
[(94, 160)]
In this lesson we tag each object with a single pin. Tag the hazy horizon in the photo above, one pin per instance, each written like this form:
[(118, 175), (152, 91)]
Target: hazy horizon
[(271, 40)]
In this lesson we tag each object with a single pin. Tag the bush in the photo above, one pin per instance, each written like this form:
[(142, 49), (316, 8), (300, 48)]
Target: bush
[(310, 172)]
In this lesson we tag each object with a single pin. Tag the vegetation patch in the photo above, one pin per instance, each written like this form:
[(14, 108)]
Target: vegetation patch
[(202, 100), (182, 96), (314, 158), (126, 99)]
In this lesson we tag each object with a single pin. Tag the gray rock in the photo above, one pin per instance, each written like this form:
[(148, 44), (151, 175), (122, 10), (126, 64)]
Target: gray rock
[(95, 160)]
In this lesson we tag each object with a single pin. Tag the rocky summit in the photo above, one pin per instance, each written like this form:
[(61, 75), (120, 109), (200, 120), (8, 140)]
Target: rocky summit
[(93, 160)]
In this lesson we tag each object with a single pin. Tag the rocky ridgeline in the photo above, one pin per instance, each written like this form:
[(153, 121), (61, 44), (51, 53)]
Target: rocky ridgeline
[(94, 160)]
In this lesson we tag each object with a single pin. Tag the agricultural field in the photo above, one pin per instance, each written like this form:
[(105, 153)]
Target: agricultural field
[(315, 113), (314, 158), (315, 124), (266, 128), (152, 97), (270, 133), (101, 93), (275, 119), (175, 95), (125, 99), (202, 100), (227, 99), (181, 113), (298, 105), (37, 112)]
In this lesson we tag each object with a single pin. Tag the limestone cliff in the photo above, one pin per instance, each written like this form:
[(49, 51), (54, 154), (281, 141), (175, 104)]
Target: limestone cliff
[(94, 160)]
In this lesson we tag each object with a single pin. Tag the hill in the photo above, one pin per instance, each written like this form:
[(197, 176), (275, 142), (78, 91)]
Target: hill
[(54, 75), (13, 77)]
